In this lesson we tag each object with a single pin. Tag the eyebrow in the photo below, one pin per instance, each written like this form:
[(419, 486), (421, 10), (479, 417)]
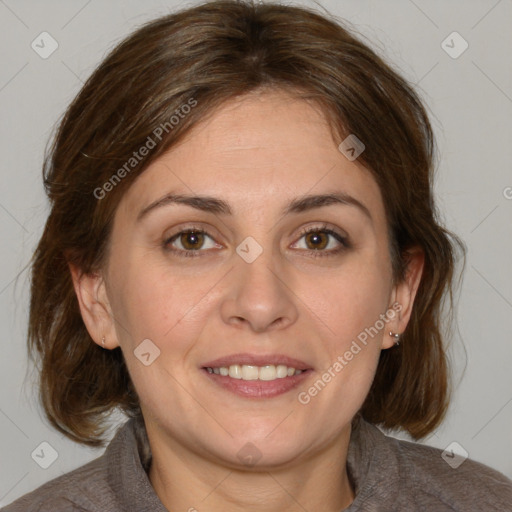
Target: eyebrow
[(218, 206)]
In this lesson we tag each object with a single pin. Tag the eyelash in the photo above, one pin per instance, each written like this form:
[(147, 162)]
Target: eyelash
[(312, 229)]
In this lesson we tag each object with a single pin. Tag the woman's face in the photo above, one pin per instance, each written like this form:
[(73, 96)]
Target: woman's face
[(253, 296)]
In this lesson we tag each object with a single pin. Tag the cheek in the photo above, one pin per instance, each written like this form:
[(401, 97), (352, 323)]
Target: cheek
[(353, 308), (154, 303), (351, 302), (170, 311)]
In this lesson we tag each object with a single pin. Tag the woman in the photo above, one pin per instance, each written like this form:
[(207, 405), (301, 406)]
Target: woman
[(243, 255)]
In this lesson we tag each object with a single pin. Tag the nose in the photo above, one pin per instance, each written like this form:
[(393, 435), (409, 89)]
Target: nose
[(258, 296)]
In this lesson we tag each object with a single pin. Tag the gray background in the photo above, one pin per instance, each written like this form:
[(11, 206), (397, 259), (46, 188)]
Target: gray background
[(470, 102)]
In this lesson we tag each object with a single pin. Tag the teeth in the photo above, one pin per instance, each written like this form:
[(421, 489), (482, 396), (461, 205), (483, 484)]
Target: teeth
[(282, 371), (235, 371), (250, 372)]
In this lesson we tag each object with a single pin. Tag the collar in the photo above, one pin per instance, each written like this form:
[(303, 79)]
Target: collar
[(372, 466), (129, 456)]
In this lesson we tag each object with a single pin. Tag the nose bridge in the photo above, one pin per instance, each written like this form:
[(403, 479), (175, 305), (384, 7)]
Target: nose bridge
[(259, 295), (258, 274)]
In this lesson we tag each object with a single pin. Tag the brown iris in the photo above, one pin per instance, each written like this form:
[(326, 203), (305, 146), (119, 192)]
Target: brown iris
[(318, 239), (192, 240)]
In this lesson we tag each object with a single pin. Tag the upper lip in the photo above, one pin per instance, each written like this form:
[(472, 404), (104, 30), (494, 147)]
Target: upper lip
[(257, 360)]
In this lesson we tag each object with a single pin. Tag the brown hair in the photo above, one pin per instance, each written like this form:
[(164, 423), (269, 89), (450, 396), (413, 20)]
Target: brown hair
[(204, 56)]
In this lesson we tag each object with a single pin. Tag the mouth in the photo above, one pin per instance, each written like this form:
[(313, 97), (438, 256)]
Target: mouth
[(257, 376)]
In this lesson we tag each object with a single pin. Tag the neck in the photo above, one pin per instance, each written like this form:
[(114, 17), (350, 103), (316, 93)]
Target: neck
[(185, 481)]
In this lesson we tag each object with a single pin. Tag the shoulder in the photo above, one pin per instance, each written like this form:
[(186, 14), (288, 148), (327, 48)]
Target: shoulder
[(116, 481), (391, 474), (93, 487), (78, 490), (429, 475)]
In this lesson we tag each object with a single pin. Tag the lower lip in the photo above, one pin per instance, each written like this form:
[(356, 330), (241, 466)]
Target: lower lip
[(258, 388)]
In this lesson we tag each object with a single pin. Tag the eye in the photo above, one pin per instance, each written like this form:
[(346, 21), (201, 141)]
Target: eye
[(316, 240), (188, 241), (320, 240)]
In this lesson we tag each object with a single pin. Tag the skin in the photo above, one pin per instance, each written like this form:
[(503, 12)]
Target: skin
[(257, 153)]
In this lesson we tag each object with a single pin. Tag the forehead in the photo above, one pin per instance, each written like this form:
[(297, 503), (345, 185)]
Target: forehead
[(258, 151)]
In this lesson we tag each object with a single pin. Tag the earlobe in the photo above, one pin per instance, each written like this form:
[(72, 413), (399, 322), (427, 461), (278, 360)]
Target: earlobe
[(94, 307)]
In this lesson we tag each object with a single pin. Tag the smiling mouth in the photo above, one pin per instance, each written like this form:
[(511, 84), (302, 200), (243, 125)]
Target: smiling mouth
[(246, 372), (257, 376)]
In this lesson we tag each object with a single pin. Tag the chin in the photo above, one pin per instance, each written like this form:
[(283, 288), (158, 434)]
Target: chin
[(263, 454)]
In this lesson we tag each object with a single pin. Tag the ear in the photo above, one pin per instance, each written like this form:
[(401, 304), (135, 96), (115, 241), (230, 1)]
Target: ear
[(403, 294), (94, 306)]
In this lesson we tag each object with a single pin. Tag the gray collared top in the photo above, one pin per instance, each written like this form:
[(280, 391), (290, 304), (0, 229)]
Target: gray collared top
[(388, 475)]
